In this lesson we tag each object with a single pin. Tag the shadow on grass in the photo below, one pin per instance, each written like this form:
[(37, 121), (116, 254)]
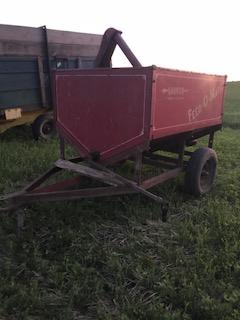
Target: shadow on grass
[(20, 133)]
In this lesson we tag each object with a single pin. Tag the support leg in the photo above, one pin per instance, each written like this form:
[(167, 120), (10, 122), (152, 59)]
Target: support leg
[(138, 168), (210, 140), (181, 154), (62, 148)]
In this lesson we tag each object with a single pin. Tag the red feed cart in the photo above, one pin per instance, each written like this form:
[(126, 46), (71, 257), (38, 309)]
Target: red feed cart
[(114, 114)]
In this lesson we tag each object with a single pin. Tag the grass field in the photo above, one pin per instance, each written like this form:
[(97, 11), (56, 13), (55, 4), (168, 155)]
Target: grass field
[(113, 258), (232, 106)]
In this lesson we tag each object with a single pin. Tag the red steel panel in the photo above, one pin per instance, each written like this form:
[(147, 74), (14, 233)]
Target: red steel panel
[(184, 101), (105, 111), (116, 111)]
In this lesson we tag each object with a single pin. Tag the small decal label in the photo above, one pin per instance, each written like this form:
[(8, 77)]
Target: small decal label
[(174, 93)]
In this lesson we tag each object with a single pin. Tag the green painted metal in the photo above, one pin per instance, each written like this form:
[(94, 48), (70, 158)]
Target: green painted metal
[(20, 80), (24, 71)]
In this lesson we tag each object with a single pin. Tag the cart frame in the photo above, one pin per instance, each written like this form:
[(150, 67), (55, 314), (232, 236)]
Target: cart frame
[(115, 184)]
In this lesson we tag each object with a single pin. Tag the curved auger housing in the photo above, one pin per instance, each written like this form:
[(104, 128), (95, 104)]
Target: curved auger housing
[(111, 38)]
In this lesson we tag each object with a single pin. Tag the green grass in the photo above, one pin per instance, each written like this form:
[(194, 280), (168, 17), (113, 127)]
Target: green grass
[(232, 105), (113, 258)]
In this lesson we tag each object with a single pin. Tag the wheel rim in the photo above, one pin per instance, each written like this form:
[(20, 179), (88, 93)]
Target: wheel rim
[(207, 175), (47, 128)]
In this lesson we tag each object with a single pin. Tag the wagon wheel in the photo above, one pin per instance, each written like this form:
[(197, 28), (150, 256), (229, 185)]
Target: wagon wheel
[(201, 171), (43, 127)]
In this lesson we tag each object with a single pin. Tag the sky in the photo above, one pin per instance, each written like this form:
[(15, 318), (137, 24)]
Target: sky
[(192, 35)]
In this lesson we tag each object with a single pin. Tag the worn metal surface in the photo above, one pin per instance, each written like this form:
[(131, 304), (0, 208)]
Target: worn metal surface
[(151, 182), (113, 107), (22, 41), (88, 172), (56, 191), (24, 81), (184, 101), (111, 38), (26, 57), (121, 109)]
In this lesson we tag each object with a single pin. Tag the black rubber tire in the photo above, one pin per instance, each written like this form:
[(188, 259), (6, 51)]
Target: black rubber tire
[(201, 171), (43, 127)]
